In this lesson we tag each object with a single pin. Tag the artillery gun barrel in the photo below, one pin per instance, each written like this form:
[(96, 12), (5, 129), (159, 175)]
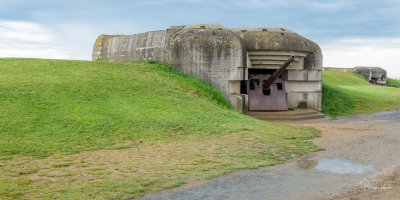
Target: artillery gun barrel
[(277, 73)]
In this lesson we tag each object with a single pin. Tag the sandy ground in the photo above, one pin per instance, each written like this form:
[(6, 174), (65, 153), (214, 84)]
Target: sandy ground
[(361, 160)]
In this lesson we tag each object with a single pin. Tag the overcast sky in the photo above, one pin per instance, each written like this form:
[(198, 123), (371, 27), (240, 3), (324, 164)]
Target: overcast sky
[(350, 32)]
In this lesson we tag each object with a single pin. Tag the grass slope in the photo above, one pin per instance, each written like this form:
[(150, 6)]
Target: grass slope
[(98, 130), (348, 93), (394, 82)]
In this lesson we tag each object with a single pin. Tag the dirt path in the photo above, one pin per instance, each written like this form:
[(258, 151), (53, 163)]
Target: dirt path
[(361, 156)]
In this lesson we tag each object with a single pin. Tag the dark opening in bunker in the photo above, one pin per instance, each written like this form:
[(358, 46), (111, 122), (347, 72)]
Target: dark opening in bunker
[(258, 72), (302, 104), (279, 86), (266, 92), (243, 87), (254, 83)]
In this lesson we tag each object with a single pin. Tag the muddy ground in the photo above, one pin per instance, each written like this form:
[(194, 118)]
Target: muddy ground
[(381, 187), (384, 185), (361, 160)]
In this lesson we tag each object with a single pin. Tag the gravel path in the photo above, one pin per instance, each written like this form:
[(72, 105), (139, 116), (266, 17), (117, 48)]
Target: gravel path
[(357, 148)]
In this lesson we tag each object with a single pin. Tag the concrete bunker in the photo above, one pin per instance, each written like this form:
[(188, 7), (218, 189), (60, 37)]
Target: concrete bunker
[(235, 61), (374, 75)]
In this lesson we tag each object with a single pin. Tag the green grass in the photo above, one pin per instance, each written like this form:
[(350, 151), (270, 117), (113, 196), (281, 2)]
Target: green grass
[(99, 130), (349, 93), (394, 82), (50, 106)]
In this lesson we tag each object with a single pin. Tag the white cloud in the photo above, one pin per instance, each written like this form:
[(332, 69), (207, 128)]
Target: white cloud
[(56, 41), (26, 39), (382, 52), (24, 31)]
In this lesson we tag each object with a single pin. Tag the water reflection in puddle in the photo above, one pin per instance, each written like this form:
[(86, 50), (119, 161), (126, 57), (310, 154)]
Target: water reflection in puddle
[(339, 166)]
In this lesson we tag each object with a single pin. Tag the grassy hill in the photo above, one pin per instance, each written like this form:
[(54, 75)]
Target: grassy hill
[(394, 82), (349, 93), (98, 130)]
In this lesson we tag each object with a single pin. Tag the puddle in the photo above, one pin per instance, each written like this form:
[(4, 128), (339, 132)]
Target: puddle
[(338, 166), (307, 164)]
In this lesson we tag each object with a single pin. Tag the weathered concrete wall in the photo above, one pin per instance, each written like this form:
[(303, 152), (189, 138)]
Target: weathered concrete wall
[(313, 99), (214, 55), (338, 69), (123, 48)]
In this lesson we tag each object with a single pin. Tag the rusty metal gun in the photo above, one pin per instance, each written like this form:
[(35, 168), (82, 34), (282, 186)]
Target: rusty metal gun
[(277, 73)]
